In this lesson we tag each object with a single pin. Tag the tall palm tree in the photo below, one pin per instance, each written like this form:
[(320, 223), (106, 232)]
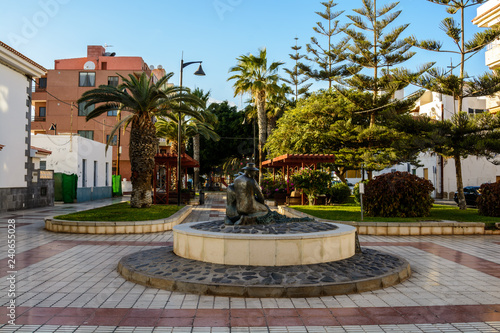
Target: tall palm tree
[(254, 76), (210, 119), (143, 100)]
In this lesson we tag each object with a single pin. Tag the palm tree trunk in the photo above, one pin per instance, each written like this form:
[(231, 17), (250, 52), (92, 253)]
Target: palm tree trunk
[(460, 185), (196, 153), (262, 119), (142, 151)]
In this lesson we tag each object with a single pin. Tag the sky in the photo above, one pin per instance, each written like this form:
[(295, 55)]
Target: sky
[(213, 31)]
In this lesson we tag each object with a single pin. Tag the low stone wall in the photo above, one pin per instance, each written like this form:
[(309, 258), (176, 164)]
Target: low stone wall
[(111, 228), (405, 228), (39, 194)]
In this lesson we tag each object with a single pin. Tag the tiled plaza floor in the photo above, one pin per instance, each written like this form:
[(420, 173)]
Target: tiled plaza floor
[(69, 283)]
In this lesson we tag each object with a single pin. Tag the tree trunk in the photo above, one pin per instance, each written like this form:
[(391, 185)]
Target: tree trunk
[(460, 185), (262, 119), (142, 151), (196, 156)]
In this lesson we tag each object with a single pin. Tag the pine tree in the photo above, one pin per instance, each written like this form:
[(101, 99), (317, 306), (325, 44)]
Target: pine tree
[(372, 49), (329, 58), (461, 86), (297, 77)]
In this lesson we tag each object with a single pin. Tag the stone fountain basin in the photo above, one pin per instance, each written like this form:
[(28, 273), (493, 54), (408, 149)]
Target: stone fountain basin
[(264, 249)]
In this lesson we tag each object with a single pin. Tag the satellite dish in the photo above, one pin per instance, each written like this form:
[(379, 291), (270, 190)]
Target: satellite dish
[(89, 65), (151, 67), (160, 67)]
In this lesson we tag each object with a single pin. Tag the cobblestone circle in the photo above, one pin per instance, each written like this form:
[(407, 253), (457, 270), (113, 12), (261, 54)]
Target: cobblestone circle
[(177, 273), (263, 229)]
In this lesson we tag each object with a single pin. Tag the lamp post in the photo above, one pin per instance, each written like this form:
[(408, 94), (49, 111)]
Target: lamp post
[(198, 72)]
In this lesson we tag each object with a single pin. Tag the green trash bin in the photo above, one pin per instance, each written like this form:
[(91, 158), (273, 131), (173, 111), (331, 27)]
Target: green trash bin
[(117, 186)]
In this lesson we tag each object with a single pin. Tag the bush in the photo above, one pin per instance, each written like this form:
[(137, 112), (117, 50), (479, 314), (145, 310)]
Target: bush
[(488, 203), (312, 182), (272, 186), (398, 194), (338, 193)]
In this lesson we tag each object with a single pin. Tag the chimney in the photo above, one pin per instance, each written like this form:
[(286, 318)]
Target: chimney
[(95, 51)]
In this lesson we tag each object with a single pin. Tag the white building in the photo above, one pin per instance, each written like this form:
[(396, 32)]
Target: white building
[(440, 171), (72, 154), (18, 188)]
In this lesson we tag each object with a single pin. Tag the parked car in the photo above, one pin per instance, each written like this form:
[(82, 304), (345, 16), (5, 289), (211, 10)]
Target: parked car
[(471, 195)]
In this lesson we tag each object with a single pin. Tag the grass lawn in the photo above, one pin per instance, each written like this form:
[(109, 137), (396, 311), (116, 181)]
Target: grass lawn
[(122, 212), (352, 212)]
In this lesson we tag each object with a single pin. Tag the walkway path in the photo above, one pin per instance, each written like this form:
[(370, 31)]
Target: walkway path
[(69, 283)]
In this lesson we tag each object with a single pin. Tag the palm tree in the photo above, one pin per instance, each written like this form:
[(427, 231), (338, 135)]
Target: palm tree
[(144, 100), (254, 76), (209, 120)]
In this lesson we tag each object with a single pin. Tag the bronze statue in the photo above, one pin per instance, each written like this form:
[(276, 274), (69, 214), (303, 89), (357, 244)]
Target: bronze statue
[(245, 201)]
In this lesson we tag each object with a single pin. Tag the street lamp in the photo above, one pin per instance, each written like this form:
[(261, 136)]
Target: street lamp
[(198, 72)]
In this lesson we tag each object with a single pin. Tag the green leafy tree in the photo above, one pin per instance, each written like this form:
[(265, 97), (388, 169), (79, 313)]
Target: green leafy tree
[(143, 100), (236, 139), (297, 80), (253, 75), (327, 56), (460, 86)]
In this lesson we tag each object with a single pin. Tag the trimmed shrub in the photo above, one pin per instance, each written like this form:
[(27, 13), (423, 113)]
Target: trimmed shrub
[(338, 193), (398, 194), (488, 203)]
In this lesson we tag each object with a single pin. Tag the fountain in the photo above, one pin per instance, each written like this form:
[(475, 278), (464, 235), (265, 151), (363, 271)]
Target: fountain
[(255, 252)]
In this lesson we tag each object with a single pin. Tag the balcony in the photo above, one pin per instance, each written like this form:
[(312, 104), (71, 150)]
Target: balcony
[(488, 14), (492, 55), (38, 118)]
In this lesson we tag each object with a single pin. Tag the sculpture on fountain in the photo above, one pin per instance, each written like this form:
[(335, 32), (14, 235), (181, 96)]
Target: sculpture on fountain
[(245, 201)]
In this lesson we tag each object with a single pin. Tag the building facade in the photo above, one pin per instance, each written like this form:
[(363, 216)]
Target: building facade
[(86, 158), (20, 184), (488, 16), (56, 94)]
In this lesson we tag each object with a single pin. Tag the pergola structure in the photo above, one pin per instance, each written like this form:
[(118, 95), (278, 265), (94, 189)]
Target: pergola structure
[(165, 164), (291, 162)]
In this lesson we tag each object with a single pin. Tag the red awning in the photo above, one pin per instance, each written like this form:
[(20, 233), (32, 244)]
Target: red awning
[(293, 160), (171, 159)]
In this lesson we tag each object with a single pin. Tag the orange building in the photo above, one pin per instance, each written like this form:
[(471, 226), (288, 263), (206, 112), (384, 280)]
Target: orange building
[(55, 99)]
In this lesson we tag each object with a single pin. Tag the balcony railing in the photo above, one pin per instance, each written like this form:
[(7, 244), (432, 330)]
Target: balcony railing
[(38, 118)]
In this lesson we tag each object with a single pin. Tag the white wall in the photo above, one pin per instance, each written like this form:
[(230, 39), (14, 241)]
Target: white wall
[(13, 122), (68, 157)]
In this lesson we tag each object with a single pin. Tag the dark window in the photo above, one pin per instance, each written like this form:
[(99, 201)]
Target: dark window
[(43, 165), (84, 172), (42, 83), (86, 134), (113, 142), (113, 113), (95, 173), (104, 66), (87, 79), (42, 112), (113, 81), (43, 191), (83, 111)]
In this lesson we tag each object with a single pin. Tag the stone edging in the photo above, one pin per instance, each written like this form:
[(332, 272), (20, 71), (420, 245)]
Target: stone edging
[(124, 227), (188, 283), (405, 228)]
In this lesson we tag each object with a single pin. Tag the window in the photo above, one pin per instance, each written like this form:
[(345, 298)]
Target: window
[(95, 173), (84, 173), (113, 141), (86, 134), (104, 65), (87, 79), (43, 165), (476, 111), (42, 111), (113, 113), (83, 111), (42, 83), (107, 174), (113, 81)]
